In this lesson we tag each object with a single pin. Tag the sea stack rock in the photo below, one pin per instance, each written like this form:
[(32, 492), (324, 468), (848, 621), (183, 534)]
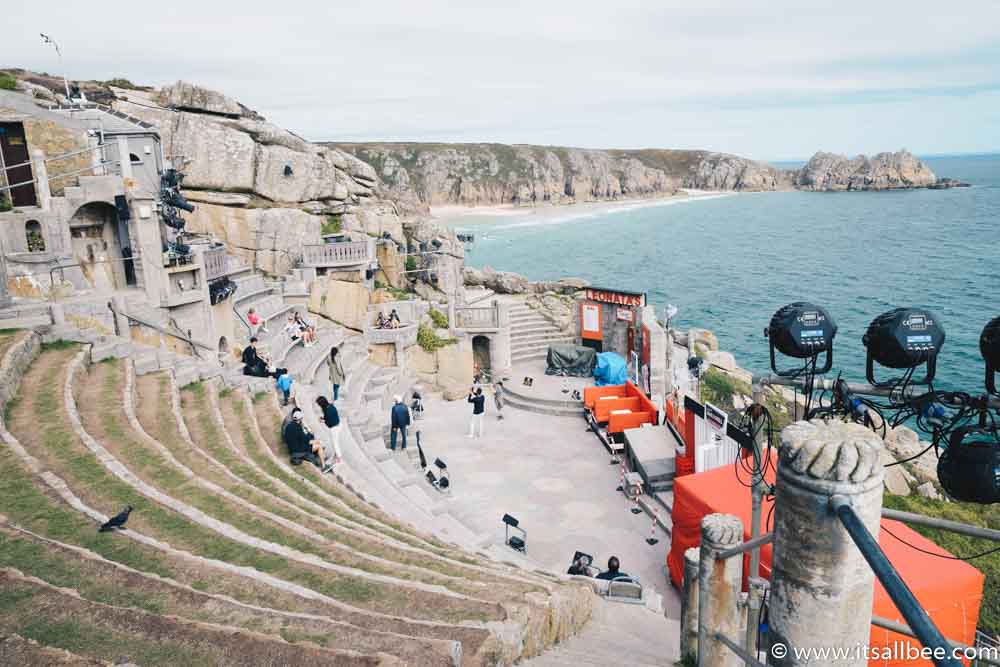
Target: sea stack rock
[(884, 171)]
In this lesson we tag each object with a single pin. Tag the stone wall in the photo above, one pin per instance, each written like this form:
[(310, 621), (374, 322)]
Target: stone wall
[(14, 364), (54, 139), (343, 302), (449, 369)]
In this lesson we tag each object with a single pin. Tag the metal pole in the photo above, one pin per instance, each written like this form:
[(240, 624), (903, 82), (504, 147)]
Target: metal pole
[(738, 650), (915, 615), (943, 524), (754, 600), (983, 655), (855, 387), (758, 484)]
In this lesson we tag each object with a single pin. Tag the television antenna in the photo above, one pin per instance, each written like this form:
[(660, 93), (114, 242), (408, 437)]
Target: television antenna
[(48, 40)]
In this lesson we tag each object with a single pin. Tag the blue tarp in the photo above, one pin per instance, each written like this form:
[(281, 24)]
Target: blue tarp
[(610, 369)]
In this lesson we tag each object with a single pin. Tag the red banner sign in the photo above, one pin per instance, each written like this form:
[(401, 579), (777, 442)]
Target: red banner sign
[(617, 298)]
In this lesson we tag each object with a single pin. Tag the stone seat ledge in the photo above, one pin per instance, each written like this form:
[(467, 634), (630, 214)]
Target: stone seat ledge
[(62, 489), (119, 470), (450, 648)]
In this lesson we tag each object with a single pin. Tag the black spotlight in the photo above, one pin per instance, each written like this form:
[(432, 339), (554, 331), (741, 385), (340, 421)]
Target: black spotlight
[(803, 331), (515, 542), (969, 469), (694, 366), (903, 338), (989, 346)]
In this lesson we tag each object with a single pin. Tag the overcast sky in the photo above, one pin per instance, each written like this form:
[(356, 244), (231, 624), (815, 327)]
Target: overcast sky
[(772, 79)]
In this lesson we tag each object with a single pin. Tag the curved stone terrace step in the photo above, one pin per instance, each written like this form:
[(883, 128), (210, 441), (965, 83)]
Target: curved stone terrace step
[(150, 635), (182, 600), (517, 392), (522, 339), (544, 409), (226, 530), (473, 639), (518, 349)]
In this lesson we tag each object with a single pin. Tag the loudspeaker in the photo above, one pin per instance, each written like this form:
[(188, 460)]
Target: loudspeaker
[(124, 213)]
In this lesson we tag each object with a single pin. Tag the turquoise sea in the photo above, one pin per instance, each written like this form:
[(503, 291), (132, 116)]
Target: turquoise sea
[(728, 263)]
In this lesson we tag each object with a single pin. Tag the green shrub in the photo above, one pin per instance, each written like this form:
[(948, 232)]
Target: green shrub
[(7, 82), (439, 319), (332, 225), (718, 388), (428, 339), (5, 204), (411, 263)]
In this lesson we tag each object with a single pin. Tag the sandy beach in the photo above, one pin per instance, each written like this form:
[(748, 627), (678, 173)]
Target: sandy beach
[(464, 215)]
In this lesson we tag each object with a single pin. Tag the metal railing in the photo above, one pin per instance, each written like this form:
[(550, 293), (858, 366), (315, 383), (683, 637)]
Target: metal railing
[(477, 317), (102, 163), (327, 255), (918, 623)]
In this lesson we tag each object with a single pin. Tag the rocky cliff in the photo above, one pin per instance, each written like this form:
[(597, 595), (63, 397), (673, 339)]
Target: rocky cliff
[(884, 171), (492, 174)]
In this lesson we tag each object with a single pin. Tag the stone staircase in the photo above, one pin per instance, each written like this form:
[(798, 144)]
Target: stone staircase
[(531, 334), (519, 397), (617, 634)]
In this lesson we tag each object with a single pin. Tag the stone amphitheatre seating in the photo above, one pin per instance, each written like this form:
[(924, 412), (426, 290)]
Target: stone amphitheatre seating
[(232, 557)]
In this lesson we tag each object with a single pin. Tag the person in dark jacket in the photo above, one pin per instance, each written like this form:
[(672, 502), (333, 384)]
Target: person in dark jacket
[(302, 445), (253, 363), (400, 419), (332, 420), (478, 401), (612, 572)]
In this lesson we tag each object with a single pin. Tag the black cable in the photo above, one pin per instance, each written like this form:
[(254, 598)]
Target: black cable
[(767, 521), (931, 553)]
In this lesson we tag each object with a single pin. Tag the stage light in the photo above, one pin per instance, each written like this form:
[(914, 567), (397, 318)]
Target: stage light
[(515, 542), (989, 346), (903, 338), (969, 469), (694, 366), (440, 464), (801, 330)]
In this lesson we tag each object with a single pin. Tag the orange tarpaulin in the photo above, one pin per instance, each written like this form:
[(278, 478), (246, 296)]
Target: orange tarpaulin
[(950, 590)]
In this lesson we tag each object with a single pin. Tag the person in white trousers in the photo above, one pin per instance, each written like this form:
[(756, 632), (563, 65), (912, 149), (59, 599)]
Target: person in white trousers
[(332, 420), (478, 401)]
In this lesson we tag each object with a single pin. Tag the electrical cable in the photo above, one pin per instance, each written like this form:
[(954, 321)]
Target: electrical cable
[(931, 553)]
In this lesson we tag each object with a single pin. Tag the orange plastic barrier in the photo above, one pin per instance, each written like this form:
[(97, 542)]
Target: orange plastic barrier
[(603, 408), (618, 423), (591, 394), (950, 590)]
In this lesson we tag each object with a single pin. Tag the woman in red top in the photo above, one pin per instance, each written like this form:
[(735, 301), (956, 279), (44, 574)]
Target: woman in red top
[(256, 321)]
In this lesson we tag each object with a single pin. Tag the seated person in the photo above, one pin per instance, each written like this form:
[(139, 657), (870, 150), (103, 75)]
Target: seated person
[(253, 363), (380, 321), (291, 328), (309, 336), (394, 319), (612, 572), (302, 444)]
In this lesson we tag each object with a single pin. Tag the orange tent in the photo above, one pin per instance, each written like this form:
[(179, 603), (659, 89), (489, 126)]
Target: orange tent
[(950, 590)]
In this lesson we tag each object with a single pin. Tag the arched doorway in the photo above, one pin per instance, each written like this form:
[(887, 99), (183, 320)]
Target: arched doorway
[(223, 345), (481, 353), (101, 246)]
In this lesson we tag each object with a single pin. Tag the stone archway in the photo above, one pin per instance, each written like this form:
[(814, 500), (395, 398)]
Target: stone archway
[(101, 246)]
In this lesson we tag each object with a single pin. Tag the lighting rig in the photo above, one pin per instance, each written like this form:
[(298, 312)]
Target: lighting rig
[(963, 427)]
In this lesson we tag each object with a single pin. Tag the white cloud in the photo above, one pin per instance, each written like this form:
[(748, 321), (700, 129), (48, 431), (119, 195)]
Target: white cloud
[(769, 79)]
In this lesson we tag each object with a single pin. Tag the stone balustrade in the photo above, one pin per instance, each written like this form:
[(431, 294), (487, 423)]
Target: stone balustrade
[(405, 335), (473, 318), (329, 255)]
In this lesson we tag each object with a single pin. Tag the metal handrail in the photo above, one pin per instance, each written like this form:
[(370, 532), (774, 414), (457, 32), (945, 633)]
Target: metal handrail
[(738, 650), (745, 546), (904, 599), (983, 656), (76, 172), (942, 524)]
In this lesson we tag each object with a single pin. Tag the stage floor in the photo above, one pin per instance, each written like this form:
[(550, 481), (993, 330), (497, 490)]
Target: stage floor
[(553, 475)]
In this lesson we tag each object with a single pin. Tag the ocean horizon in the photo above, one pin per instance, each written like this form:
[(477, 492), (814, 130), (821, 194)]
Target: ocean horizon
[(728, 261)]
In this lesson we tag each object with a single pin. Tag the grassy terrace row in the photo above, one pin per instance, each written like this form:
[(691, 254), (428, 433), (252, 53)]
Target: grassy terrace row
[(237, 422), (38, 610), (158, 419), (270, 419), (99, 396), (103, 582), (31, 505), (39, 421)]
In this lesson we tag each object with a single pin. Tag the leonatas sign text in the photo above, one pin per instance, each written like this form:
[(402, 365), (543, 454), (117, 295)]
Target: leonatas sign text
[(617, 298)]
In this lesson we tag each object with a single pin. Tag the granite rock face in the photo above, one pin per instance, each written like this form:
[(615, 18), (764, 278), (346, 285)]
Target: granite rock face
[(884, 171), (494, 174), (184, 95)]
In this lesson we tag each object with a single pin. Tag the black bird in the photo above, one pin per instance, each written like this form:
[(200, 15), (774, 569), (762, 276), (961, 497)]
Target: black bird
[(117, 521)]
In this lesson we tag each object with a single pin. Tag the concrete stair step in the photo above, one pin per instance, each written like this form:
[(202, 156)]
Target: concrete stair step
[(524, 395), (519, 339), (532, 346), (544, 409), (527, 356)]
